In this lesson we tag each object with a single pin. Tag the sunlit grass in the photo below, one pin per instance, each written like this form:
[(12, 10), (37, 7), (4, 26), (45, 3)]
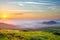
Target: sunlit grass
[(27, 35)]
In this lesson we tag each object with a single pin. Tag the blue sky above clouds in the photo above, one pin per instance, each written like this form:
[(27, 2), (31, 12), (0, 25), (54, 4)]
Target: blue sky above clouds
[(32, 5)]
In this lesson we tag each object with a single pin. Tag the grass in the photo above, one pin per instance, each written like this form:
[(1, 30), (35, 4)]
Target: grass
[(27, 35)]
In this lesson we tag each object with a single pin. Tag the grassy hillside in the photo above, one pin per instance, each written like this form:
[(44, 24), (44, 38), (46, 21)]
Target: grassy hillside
[(51, 29), (27, 35)]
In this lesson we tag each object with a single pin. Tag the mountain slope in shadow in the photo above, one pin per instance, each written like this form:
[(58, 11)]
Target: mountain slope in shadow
[(8, 26)]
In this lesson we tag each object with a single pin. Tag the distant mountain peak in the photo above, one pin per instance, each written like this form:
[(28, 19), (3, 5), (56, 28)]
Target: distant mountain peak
[(50, 22)]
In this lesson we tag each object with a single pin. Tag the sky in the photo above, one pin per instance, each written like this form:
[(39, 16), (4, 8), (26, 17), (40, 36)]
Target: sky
[(30, 9)]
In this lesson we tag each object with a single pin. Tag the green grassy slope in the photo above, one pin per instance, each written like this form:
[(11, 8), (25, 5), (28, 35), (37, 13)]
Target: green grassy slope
[(51, 29), (27, 35)]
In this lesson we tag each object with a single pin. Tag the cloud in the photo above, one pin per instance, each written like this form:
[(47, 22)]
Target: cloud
[(54, 8), (33, 3), (21, 4)]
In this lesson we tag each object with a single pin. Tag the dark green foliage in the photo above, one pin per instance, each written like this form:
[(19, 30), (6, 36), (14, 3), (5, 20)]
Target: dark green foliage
[(35, 38), (2, 35), (56, 33)]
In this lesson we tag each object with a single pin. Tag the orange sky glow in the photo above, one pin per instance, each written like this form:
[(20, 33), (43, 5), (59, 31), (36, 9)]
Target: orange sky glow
[(6, 14)]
